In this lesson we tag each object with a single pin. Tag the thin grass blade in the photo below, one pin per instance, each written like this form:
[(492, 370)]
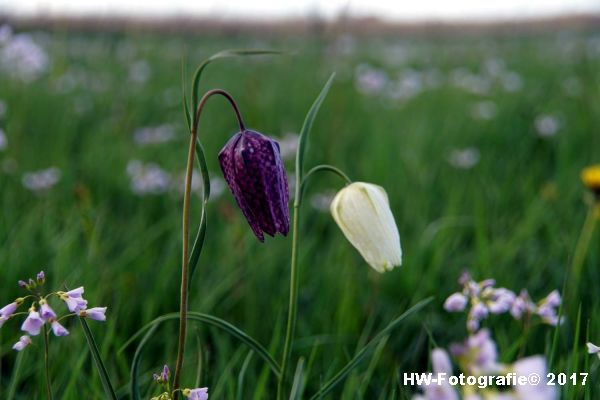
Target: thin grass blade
[(339, 377), (104, 377)]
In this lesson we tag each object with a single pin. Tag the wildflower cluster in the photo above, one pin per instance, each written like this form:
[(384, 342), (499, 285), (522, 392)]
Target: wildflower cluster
[(477, 355), (41, 313), (164, 380), (482, 299)]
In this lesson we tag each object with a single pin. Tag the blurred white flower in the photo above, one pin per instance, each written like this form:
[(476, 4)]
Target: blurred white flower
[(139, 71), (3, 140), (469, 82), (484, 110), (465, 158), (5, 34), (370, 80), (22, 58), (154, 134), (38, 181), (409, 84), (511, 82), (288, 145), (529, 366), (593, 349), (494, 67), (443, 390), (547, 125), (147, 178), (322, 201)]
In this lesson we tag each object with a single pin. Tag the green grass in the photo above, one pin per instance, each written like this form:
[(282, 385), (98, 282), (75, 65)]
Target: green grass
[(515, 216)]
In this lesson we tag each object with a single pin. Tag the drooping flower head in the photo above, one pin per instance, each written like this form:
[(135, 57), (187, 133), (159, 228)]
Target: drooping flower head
[(362, 212), (95, 313), (252, 166), (33, 324), (73, 298), (23, 342)]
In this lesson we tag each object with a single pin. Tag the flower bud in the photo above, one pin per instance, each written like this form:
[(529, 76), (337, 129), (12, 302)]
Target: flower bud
[(362, 212)]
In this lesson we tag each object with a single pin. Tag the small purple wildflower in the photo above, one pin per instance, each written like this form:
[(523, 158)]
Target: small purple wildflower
[(73, 298), (58, 329), (41, 277), (478, 354), (95, 313), (23, 342), (535, 365), (46, 311), (33, 324), (196, 394), (10, 309), (253, 169), (456, 302), (22, 284), (593, 349)]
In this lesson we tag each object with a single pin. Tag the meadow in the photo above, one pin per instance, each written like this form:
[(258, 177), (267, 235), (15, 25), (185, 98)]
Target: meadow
[(479, 142)]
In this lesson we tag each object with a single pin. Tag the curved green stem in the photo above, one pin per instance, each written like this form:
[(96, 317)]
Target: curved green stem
[(323, 168), (47, 364), (185, 263), (293, 303), (583, 244)]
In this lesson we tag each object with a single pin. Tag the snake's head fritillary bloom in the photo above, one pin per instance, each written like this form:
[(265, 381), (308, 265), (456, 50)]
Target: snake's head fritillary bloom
[(23, 342), (95, 313), (33, 323), (196, 394), (252, 166), (362, 212)]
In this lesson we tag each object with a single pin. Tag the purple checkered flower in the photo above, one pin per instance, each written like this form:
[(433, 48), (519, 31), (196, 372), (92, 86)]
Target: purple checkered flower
[(23, 342), (73, 298), (33, 323), (252, 166)]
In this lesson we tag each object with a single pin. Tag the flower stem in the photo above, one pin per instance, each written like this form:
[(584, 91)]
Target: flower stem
[(183, 303), (47, 364), (292, 306), (583, 244)]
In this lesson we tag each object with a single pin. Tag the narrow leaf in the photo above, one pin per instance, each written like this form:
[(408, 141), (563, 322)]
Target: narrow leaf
[(223, 54), (200, 317), (240, 382), (104, 377), (14, 379), (339, 377), (306, 127), (134, 388)]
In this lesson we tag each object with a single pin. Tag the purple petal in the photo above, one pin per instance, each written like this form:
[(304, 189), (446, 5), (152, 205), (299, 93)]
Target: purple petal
[(226, 160)]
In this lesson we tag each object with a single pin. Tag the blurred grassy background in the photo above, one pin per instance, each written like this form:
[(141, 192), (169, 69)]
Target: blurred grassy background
[(515, 215)]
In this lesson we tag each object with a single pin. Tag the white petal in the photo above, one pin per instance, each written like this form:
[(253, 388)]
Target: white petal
[(362, 212)]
